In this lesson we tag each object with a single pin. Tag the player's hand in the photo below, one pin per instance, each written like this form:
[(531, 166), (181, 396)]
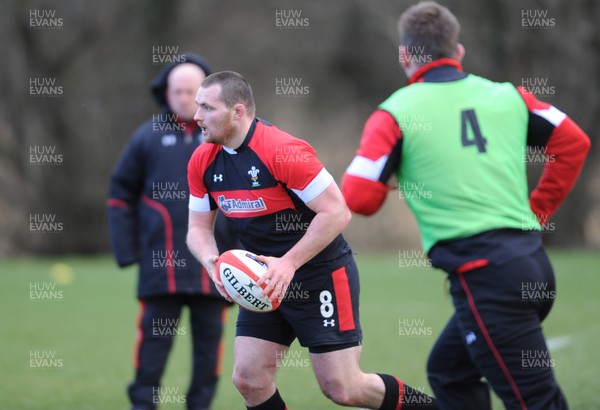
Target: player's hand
[(210, 264), (279, 275)]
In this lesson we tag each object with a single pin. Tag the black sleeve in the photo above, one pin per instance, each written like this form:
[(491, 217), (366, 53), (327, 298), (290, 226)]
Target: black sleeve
[(538, 130), (126, 186)]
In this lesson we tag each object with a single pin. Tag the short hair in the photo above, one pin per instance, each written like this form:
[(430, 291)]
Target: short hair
[(234, 89), (429, 30)]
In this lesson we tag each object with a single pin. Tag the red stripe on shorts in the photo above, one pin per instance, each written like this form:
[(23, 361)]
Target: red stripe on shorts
[(343, 300)]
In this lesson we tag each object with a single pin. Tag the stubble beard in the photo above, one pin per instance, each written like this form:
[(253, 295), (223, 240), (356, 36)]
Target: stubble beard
[(224, 135)]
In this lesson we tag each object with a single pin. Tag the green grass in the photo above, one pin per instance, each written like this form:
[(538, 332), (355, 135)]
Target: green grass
[(91, 329)]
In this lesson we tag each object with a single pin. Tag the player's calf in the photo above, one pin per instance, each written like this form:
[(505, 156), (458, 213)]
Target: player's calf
[(341, 392)]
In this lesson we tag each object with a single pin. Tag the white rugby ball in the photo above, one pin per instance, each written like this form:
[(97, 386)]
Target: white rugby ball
[(239, 270)]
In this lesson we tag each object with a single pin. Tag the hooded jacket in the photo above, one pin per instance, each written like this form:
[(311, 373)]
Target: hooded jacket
[(148, 201)]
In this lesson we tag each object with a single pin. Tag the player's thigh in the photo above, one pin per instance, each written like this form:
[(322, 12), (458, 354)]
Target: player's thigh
[(449, 361), (321, 306), (501, 329), (547, 287), (255, 360)]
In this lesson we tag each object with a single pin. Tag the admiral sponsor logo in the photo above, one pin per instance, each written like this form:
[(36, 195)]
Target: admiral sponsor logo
[(229, 205), (243, 291)]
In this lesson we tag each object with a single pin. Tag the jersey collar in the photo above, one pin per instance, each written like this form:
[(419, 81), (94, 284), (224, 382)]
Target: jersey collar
[(419, 75), (247, 139)]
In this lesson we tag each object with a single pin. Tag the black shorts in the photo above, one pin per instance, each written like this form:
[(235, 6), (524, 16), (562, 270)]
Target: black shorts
[(320, 308)]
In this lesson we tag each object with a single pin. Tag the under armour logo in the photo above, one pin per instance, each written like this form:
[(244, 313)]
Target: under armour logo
[(168, 140), (218, 178), (470, 338), (328, 322)]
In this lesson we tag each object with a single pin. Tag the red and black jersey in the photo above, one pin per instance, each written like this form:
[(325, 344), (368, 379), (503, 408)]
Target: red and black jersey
[(262, 187)]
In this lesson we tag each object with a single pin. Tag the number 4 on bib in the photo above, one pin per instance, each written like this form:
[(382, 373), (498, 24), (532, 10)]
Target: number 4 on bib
[(468, 119)]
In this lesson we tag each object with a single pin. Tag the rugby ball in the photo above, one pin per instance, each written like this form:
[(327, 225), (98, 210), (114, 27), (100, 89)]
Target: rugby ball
[(239, 270)]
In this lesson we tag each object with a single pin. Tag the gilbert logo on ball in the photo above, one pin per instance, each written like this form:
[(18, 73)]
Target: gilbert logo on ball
[(239, 271)]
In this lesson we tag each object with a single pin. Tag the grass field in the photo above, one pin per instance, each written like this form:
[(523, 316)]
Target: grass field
[(81, 336)]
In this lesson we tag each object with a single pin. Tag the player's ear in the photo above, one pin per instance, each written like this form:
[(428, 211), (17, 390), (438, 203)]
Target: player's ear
[(403, 57), (239, 111), (460, 52)]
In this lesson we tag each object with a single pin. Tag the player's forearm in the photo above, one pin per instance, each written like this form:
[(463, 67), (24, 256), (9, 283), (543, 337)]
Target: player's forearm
[(202, 244), (377, 158), (363, 196), (323, 229)]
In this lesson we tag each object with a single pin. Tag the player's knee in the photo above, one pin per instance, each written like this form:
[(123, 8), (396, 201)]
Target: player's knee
[(248, 382), (339, 392), (243, 382)]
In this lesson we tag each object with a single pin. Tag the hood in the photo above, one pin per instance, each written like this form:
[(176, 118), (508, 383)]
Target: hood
[(159, 85)]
